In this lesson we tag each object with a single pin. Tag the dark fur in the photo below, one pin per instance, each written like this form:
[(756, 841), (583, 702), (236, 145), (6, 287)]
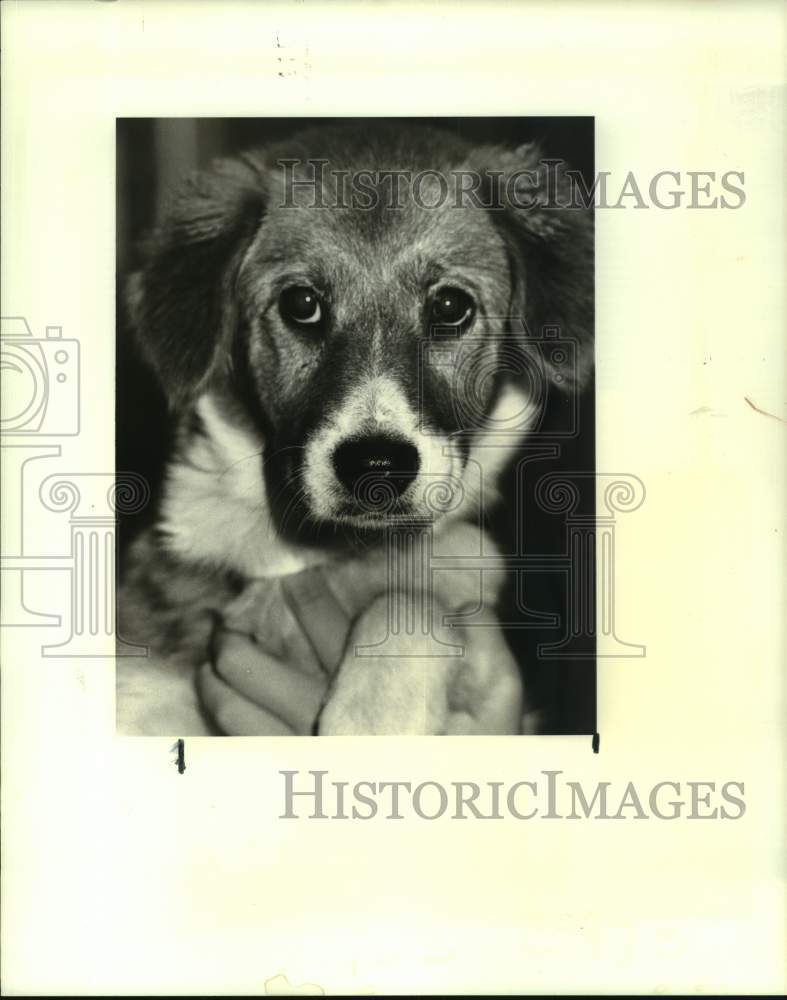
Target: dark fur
[(180, 300)]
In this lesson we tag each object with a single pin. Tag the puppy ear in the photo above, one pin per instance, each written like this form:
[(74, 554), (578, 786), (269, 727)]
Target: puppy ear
[(550, 238), (180, 302)]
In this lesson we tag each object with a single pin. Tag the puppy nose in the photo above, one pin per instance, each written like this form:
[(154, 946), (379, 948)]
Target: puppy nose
[(377, 456)]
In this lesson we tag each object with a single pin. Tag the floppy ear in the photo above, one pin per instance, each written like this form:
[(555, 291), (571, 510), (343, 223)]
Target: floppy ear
[(550, 239), (180, 302)]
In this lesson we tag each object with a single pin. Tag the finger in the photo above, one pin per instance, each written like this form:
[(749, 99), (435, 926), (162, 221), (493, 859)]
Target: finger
[(322, 618), (234, 714), (299, 651), (293, 696)]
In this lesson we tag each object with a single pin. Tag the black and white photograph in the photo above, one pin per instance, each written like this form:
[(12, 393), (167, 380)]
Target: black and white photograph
[(355, 364), (406, 380)]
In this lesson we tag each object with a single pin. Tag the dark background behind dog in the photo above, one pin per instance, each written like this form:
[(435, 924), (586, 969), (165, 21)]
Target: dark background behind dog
[(153, 154)]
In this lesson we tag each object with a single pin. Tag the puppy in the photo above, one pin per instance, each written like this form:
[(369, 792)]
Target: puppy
[(346, 326)]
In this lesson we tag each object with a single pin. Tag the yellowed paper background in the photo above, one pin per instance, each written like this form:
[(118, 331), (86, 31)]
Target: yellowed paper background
[(120, 875)]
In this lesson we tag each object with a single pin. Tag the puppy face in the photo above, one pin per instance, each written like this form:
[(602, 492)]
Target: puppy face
[(340, 312), (364, 344)]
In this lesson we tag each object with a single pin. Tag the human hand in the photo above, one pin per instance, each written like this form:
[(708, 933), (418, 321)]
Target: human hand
[(311, 625), (251, 689)]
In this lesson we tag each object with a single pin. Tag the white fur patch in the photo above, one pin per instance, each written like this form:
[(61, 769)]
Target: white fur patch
[(215, 507)]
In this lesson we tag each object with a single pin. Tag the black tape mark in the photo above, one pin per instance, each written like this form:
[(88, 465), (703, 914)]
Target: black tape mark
[(181, 762), (596, 741)]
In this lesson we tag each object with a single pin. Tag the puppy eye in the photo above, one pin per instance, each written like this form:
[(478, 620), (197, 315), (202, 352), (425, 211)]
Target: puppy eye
[(451, 307), (301, 304)]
